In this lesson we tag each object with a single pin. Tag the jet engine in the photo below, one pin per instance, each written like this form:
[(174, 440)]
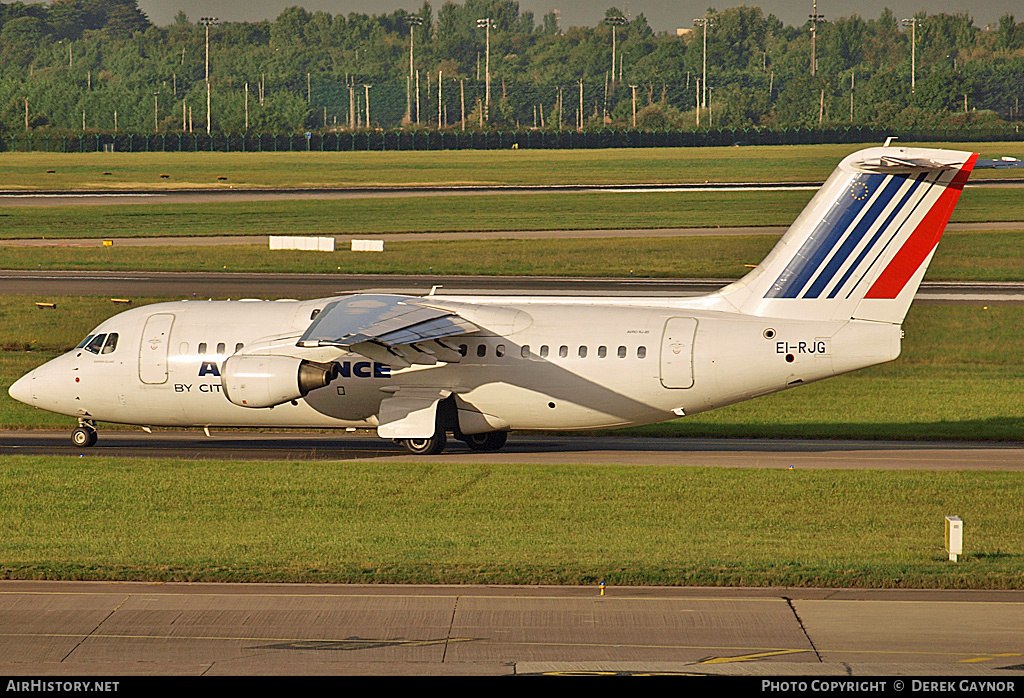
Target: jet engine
[(253, 380)]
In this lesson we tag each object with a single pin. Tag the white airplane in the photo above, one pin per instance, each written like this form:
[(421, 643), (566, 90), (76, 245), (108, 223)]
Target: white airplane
[(830, 298)]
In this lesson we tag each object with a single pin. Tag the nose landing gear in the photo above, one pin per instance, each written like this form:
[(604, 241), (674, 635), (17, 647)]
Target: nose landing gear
[(85, 435)]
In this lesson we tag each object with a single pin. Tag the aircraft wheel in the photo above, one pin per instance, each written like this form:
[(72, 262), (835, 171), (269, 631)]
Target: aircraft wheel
[(488, 441), (83, 437), (426, 447)]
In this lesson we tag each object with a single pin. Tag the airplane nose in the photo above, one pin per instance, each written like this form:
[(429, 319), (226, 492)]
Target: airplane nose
[(21, 390)]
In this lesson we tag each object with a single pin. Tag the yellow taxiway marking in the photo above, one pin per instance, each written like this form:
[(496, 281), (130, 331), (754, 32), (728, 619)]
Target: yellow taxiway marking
[(750, 657), (991, 657)]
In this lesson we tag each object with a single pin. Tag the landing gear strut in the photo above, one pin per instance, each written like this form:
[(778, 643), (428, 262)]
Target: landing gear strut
[(85, 435)]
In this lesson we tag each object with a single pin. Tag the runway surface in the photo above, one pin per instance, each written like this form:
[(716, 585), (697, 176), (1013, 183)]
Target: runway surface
[(122, 629), (201, 285), (342, 242), (810, 454), (228, 193)]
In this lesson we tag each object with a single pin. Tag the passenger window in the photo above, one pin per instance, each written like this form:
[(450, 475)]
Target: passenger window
[(622, 352), (499, 350), (583, 352), (602, 352), (183, 348), (84, 342), (463, 349), (563, 351), (238, 347), (481, 350), (543, 351), (524, 351), (221, 348), (202, 348), (111, 343), (641, 352), (95, 344)]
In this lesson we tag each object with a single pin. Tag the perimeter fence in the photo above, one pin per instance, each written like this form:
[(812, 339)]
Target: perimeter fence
[(384, 140)]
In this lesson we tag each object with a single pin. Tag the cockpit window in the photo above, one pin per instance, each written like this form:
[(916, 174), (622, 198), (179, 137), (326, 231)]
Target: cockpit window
[(95, 344), (84, 342), (111, 344)]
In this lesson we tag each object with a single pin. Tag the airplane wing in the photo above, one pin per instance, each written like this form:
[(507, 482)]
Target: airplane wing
[(398, 330)]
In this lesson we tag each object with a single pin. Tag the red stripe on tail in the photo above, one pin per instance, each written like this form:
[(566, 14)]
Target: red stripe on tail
[(923, 240)]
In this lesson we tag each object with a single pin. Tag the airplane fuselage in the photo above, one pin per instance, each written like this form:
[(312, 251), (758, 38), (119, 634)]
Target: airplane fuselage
[(536, 363)]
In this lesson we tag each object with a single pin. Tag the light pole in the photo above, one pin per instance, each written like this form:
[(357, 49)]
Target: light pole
[(815, 18), (633, 87), (615, 22), (414, 21), (486, 23), (704, 22), (208, 22), (912, 22), (367, 88), (156, 112)]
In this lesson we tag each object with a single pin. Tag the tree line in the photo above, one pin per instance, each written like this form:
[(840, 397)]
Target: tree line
[(102, 66)]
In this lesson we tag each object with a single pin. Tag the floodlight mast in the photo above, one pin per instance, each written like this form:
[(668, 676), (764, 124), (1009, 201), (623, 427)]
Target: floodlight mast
[(912, 22), (208, 22), (815, 19), (486, 23), (615, 21), (704, 22), (414, 21)]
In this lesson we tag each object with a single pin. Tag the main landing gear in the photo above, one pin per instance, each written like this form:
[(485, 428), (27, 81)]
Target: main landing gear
[(489, 441), (85, 435)]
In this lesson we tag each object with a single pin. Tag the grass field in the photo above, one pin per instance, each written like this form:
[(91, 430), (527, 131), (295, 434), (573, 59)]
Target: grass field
[(970, 256), (418, 522), (531, 167), (500, 212)]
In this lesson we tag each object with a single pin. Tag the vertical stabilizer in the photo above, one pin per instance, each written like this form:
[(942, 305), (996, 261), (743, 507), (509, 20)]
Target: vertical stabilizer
[(862, 245)]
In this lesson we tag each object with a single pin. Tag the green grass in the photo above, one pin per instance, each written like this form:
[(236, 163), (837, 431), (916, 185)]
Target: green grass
[(532, 167), (967, 256), (362, 522), (367, 216)]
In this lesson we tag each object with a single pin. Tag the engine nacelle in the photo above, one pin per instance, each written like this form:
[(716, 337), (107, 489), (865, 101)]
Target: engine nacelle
[(252, 380)]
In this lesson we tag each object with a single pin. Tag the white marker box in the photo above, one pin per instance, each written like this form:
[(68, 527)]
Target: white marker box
[(954, 537)]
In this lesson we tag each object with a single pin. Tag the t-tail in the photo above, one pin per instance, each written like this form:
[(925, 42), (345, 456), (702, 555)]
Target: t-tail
[(862, 245)]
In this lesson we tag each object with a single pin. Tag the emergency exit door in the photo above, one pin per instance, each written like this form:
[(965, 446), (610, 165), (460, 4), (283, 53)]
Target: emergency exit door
[(677, 352), (156, 339)]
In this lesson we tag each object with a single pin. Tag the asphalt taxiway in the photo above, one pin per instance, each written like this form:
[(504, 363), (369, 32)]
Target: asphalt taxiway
[(534, 448), (219, 285), (131, 628)]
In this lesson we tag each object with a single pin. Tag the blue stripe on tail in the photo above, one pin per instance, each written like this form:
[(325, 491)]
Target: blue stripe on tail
[(827, 234)]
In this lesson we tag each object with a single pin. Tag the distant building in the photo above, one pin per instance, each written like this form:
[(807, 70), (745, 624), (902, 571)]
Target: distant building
[(684, 32)]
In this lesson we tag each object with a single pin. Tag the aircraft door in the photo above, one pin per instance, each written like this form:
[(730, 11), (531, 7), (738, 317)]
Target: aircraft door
[(156, 337), (677, 352)]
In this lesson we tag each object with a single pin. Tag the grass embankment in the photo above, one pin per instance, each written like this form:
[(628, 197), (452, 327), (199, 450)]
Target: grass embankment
[(450, 167), (417, 522), (501, 212), (960, 377)]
